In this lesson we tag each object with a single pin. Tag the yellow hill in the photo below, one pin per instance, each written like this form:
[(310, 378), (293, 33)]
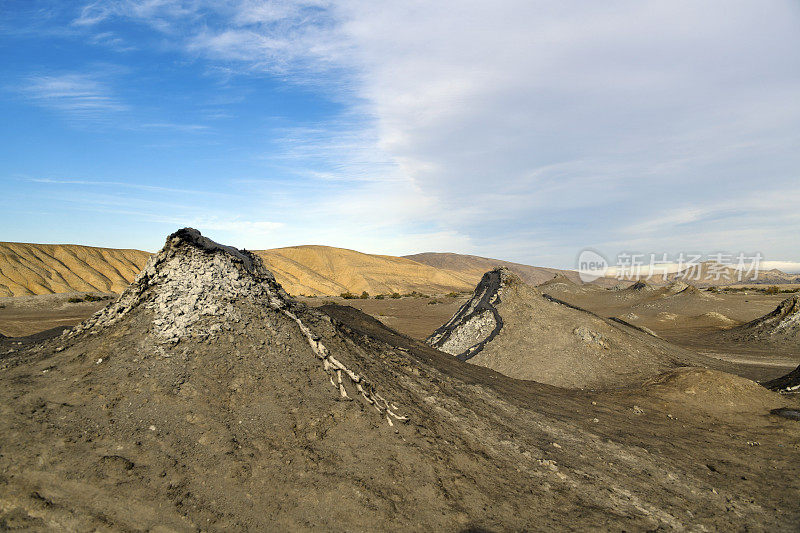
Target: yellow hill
[(27, 269), (323, 270), (49, 268)]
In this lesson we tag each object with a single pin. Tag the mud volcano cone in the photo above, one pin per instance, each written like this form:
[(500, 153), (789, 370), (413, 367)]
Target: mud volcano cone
[(515, 329), (197, 290)]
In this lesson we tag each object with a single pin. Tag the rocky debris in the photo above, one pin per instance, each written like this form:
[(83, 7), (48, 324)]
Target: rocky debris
[(791, 414), (591, 338), (664, 315), (676, 286), (641, 286)]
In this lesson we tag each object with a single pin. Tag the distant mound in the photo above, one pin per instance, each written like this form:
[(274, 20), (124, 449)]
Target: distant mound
[(28, 269), (512, 328), (712, 273), (641, 286), (561, 284), (781, 324), (715, 318), (558, 279), (713, 392)]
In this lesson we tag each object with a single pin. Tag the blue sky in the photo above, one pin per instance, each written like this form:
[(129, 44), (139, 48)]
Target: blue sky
[(516, 129)]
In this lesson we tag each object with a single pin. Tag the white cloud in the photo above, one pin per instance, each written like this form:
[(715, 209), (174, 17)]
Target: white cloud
[(534, 128), (78, 95)]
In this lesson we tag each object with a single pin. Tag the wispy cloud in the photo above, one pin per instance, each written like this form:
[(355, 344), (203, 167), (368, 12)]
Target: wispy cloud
[(186, 128), (111, 184), (78, 95)]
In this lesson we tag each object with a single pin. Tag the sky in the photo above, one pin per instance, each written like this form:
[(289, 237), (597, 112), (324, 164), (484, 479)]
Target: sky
[(522, 130)]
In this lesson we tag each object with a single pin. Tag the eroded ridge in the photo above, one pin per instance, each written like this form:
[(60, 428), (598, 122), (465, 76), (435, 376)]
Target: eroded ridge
[(476, 323)]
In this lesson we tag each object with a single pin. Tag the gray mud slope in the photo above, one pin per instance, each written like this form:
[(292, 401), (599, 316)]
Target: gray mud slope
[(515, 329), (204, 399), (782, 324)]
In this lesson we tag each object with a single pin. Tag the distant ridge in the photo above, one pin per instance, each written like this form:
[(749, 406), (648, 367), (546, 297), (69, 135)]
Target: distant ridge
[(30, 269), (475, 266), (325, 270)]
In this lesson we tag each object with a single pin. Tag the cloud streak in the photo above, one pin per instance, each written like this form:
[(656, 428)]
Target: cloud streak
[(78, 95)]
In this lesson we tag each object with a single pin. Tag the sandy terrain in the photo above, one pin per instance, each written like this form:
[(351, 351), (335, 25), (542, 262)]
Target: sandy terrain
[(25, 315)]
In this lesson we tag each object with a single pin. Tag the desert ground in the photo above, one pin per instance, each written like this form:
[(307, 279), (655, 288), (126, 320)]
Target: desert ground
[(206, 398)]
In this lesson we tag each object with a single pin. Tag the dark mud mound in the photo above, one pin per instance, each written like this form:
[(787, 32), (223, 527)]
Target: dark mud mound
[(515, 329), (640, 286), (781, 324), (788, 383), (791, 414), (205, 399)]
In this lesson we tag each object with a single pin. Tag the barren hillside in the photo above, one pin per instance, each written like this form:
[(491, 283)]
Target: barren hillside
[(27, 269), (324, 270)]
